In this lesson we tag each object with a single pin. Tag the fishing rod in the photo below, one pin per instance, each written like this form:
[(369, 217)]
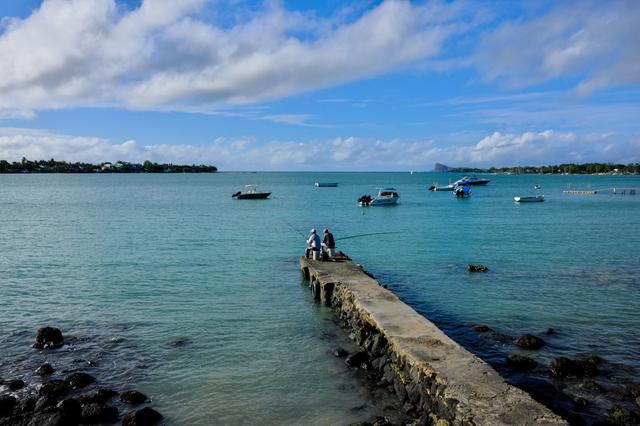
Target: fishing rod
[(291, 226), (366, 235)]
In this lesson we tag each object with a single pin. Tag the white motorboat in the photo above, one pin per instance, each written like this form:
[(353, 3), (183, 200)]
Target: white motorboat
[(385, 197), (435, 187), (472, 180), (531, 199), (251, 193)]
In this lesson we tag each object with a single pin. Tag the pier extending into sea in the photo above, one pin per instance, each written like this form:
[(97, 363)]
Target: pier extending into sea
[(432, 376)]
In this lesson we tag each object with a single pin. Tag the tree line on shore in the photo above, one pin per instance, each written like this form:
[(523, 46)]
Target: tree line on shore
[(53, 166), (574, 169)]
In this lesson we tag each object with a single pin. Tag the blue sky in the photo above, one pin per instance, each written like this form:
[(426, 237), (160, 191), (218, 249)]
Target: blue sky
[(327, 85)]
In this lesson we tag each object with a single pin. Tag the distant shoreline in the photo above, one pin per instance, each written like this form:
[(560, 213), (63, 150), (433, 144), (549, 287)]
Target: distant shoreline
[(53, 166)]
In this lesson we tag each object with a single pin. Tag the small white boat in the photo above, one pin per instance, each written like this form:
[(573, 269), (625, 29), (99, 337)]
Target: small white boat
[(435, 187), (386, 197), (326, 184), (532, 199)]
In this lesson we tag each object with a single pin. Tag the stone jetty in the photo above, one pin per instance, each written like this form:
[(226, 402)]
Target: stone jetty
[(435, 379)]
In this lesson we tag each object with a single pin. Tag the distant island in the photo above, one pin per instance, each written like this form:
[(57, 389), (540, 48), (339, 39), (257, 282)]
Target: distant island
[(559, 169), (53, 166)]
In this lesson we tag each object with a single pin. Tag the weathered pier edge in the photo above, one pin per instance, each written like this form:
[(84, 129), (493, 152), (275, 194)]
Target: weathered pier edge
[(434, 378)]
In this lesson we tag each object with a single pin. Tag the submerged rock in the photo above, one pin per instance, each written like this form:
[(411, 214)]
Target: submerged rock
[(619, 415), (15, 385), (45, 369), (480, 328), (7, 402), (143, 417), (550, 331), (476, 268), (48, 338), (80, 380), (100, 396), (519, 362), (98, 413), (133, 397), (565, 367), (70, 410), (529, 341), (592, 386), (25, 406), (339, 352), (54, 389), (357, 359)]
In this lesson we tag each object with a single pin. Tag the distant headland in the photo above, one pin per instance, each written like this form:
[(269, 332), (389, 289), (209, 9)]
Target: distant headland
[(559, 169), (53, 166)]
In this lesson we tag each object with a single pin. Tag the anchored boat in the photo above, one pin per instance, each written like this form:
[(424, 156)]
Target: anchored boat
[(531, 199), (435, 187), (326, 184), (251, 193), (386, 197), (472, 180)]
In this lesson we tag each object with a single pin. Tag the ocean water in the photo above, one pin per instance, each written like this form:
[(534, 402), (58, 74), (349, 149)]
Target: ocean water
[(167, 284)]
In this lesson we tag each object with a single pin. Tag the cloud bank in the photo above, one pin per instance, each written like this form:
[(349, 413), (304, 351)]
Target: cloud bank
[(161, 56), (593, 42), (347, 154)]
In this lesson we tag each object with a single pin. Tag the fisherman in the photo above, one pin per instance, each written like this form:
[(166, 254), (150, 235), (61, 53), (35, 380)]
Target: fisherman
[(313, 244), (329, 243)]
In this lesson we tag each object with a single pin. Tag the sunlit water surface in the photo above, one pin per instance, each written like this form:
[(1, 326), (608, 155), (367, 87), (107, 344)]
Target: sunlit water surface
[(169, 285)]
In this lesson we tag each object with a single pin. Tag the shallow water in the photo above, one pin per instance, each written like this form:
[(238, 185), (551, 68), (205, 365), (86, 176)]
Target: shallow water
[(137, 262)]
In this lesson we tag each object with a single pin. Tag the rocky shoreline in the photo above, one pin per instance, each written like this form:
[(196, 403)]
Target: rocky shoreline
[(572, 387), (68, 395)]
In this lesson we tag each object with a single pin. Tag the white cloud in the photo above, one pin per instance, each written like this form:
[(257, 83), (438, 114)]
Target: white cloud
[(593, 42), (71, 53), (351, 153)]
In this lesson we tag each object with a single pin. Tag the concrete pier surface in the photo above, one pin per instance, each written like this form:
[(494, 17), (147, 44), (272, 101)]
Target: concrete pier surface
[(435, 379)]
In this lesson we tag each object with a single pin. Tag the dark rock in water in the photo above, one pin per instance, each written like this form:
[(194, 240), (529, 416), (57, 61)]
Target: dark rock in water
[(550, 331), (133, 397), (47, 418), (48, 338), (180, 343), (80, 380), (54, 389), (633, 390), (476, 268), (619, 415), (144, 417), (15, 385), (580, 402), (70, 410), (357, 359), (638, 401), (529, 341), (591, 386), (45, 369), (358, 408), (100, 396), (339, 352), (565, 367), (519, 362), (590, 364), (44, 402), (98, 413), (7, 402), (480, 328), (25, 406)]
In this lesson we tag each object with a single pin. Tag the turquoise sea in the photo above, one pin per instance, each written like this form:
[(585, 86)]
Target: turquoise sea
[(167, 284)]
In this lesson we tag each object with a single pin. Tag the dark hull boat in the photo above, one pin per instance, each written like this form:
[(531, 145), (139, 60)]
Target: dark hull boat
[(251, 193)]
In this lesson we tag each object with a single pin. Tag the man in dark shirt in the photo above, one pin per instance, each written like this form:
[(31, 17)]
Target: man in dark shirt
[(329, 242)]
